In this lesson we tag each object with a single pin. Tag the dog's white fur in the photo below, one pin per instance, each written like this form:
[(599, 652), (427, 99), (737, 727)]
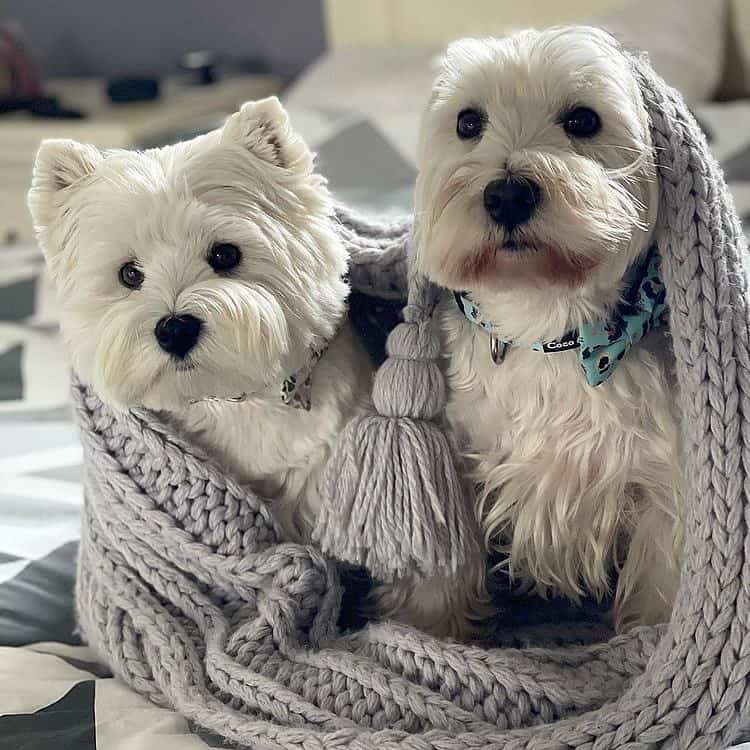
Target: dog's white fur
[(573, 481), (252, 184), (455, 606)]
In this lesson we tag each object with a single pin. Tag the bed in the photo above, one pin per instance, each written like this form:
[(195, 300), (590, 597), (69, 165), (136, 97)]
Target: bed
[(358, 107)]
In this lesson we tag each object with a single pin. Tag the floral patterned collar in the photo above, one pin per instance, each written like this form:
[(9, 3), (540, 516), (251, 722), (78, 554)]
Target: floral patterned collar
[(296, 390), (602, 344)]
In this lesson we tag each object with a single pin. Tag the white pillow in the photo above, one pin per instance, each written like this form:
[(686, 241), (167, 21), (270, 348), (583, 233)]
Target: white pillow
[(368, 79), (387, 86), (685, 40)]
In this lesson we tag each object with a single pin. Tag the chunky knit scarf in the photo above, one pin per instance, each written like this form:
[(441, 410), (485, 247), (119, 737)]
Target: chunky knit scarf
[(187, 592)]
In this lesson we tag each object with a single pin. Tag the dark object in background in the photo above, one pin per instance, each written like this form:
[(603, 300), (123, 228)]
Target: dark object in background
[(50, 106), (135, 89), (20, 88), (206, 67), (18, 76), (203, 65), (40, 106)]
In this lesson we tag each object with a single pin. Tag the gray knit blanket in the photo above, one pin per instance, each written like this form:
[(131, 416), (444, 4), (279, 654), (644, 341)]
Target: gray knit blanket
[(186, 591)]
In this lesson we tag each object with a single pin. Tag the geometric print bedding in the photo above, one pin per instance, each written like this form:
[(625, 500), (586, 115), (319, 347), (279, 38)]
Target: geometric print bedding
[(58, 697), (53, 693)]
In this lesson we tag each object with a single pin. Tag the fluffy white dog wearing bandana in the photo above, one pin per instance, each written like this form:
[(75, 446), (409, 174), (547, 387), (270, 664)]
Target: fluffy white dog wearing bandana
[(536, 199)]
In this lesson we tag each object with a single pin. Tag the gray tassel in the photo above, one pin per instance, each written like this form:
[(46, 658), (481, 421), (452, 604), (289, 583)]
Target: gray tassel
[(393, 500)]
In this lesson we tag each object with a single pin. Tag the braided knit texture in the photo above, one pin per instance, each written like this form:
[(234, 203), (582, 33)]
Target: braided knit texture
[(185, 590)]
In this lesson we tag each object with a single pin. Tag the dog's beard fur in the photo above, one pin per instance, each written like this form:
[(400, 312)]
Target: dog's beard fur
[(250, 184), (588, 208), (562, 469)]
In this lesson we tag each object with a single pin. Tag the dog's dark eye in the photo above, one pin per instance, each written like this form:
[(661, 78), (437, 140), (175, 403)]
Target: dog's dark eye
[(470, 124), (581, 122), (224, 256), (130, 275)]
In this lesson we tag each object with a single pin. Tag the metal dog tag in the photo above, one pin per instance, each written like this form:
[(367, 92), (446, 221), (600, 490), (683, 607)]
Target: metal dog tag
[(497, 349)]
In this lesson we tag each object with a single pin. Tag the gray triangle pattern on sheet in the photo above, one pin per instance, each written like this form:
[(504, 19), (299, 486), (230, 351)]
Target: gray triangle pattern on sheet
[(11, 377), (737, 167), (67, 723), (17, 301), (358, 150), (37, 604)]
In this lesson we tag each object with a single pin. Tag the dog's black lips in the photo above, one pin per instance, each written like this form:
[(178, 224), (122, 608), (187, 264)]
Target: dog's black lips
[(512, 246), (515, 242), (522, 245)]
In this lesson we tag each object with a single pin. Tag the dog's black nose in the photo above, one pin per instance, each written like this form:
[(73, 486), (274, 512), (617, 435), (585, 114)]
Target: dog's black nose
[(511, 202), (178, 334)]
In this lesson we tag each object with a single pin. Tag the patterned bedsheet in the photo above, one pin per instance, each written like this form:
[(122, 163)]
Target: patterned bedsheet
[(55, 694)]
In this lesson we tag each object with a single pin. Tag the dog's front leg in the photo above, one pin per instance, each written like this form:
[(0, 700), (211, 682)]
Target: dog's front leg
[(650, 576), (442, 606)]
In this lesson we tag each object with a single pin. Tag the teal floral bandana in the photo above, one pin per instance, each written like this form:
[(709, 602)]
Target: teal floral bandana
[(602, 344)]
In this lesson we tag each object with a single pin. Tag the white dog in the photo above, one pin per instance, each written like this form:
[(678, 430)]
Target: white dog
[(536, 200), (206, 280)]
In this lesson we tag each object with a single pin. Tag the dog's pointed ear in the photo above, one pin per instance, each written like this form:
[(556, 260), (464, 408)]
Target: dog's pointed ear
[(60, 165), (263, 129)]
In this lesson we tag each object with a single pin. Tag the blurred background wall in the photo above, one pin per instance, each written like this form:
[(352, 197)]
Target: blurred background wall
[(148, 37)]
